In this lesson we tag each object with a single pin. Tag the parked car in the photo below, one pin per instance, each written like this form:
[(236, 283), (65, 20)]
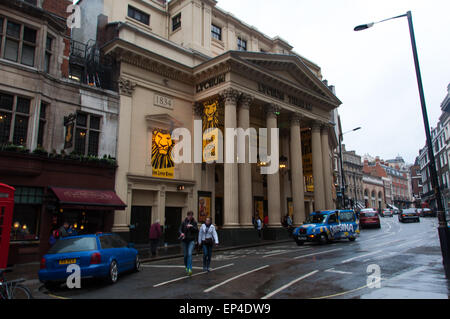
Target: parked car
[(409, 214), (426, 212), (387, 213), (396, 211), (99, 256), (326, 226), (369, 217)]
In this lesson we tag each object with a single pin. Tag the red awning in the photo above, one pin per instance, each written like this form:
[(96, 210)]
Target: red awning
[(88, 199)]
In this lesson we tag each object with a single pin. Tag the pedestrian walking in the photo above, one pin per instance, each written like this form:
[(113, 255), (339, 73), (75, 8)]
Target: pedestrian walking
[(188, 234), (155, 235), (207, 237), (259, 226), (266, 221)]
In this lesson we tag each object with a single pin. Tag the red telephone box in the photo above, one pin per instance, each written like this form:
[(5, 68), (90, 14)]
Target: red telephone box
[(6, 213)]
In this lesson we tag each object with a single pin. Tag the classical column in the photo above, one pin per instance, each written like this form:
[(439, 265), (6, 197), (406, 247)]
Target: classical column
[(245, 170), (273, 180), (197, 110), (231, 187), (327, 179), (319, 191), (122, 218), (296, 164)]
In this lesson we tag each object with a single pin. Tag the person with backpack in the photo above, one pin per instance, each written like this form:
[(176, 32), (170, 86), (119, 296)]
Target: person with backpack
[(207, 237), (188, 235)]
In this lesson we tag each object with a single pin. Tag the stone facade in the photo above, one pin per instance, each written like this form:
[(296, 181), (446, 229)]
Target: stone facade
[(187, 61)]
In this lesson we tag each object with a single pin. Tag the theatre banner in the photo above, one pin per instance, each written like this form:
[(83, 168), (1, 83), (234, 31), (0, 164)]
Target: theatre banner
[(211, 126), (204, 206), (163, 165)]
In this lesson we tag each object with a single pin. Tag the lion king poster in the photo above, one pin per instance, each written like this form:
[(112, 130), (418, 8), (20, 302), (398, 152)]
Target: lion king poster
[(163, 165)]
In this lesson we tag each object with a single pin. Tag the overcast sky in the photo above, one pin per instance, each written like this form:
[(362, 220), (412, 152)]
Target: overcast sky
[(373, 70)]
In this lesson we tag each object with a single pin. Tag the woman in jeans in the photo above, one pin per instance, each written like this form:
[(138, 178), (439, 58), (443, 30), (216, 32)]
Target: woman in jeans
[(207, 238)]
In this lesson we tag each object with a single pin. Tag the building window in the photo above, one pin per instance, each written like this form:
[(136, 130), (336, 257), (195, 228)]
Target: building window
[(48, 53), (20, 42), (242, 44), (27, 207), (14, 114), (216, 32), (176, 22), (42, 122), (87, 134), (138, 15)]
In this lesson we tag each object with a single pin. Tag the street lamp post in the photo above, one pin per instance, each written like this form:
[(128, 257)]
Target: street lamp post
[(342, 165), (443, 228)]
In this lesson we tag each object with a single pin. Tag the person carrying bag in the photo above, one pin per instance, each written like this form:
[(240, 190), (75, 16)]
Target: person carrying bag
[(207, 237)]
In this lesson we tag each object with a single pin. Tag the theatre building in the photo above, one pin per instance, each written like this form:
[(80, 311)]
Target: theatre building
[(57, 134), (186, 61)]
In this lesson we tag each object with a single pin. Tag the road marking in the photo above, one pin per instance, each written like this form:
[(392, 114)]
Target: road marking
[(185, 277), (338, 271), (286, 252), (58, 297), (169, 266), (235, 277), (386, 244), (322, 252), (410, 242), (289, 284), (360, 256)]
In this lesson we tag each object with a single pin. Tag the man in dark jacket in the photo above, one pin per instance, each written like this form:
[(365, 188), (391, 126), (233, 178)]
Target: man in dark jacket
[(155, 235), (188, 235)]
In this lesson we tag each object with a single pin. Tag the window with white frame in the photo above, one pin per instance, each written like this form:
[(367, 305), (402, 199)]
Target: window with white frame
[(242, 44), (48, 53)]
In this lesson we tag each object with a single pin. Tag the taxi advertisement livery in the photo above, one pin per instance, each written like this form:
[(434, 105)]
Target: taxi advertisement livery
[(326, 226)]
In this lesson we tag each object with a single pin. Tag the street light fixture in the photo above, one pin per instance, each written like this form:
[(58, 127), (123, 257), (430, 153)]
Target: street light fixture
[(443, 229), (342, 165)]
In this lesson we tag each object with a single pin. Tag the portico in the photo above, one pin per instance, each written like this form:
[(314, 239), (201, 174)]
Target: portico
[(235, 90)]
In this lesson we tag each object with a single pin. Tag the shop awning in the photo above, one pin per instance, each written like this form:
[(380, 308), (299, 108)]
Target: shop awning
[(88, 199)]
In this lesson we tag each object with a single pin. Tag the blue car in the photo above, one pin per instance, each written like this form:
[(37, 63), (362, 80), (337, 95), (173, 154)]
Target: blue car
[(99, 256), (327, 226)]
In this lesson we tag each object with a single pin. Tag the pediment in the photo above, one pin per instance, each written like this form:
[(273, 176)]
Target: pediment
[(291, 70)]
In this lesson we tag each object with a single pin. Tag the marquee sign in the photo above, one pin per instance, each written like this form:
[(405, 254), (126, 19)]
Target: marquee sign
[(280, 95), (210, 83)]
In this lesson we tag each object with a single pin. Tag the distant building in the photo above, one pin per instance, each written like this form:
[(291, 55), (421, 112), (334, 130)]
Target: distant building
[(373, 192), (440, 140), (353, 175), (416, 182)]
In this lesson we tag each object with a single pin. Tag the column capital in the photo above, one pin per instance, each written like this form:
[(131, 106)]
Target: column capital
[(126, 87), (272, 110), (295, 118), (245, 101), (230, 95)]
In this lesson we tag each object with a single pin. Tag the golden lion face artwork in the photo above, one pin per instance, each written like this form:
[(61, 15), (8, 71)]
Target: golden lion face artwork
[(162, 162), (210, 115)]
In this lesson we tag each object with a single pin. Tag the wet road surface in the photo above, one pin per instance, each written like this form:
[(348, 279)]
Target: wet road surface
[(408, 257)]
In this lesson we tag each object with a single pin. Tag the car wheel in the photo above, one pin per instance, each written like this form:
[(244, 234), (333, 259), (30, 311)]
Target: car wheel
[(300, 242), (137, 264), (113, 275), (323, 239), (352, 238)]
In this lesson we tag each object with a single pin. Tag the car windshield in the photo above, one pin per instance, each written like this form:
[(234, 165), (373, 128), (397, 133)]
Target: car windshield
[(72, 245), (315, 219), (368, 213), (409, 211)]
